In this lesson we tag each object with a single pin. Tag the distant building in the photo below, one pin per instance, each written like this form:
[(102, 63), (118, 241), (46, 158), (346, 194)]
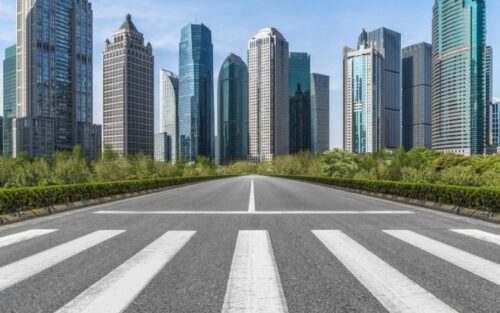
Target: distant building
[(320, 113), (459, 80), (364, 98), (494, 123), (97, 140), (9, 98), (268, 95), (417, 96), (169, 100), (300, 102), (128, 103), (233, 111), (196, 93), (54, 77), (1, 134), (388, 42)]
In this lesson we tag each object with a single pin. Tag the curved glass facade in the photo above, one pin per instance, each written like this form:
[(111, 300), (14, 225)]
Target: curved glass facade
[(196, 95), (233, 110)]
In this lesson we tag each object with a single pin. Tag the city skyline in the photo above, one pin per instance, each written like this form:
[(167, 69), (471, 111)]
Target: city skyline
[(163, 32)]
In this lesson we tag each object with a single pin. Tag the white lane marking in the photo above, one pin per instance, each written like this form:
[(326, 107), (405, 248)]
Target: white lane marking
[(23, 236), (115, 291), (479, 234), (469, 262), (254, 213), (254, 284), (395, 291), (251, 202), (20, 270)]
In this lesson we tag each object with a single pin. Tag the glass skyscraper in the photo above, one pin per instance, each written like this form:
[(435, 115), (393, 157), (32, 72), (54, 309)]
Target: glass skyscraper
[(417, 79), (9, 98), (388, 42), (459, 77), (363, 98), (166, 140), (300, 102), (233, 110), (320, 113), (196, 94), (54, 77)]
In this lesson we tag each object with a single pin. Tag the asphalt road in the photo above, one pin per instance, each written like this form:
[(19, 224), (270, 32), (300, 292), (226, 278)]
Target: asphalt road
[(251, 244)]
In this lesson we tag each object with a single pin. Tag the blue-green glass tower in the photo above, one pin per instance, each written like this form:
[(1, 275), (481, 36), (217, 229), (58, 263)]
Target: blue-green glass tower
[(9, 98), (196, 94), (233, 110), (459, 79), (300, 102)]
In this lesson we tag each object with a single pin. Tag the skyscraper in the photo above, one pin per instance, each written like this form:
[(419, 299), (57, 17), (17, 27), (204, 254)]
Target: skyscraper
[(320, 113), (233, 110), (128, 91), (388, 42), (54, 77), (196, 94), (494, 124), (458, 76), (364, 98), (9, 98), (300, 102), (417, 96), (169, 99), (268, 95)]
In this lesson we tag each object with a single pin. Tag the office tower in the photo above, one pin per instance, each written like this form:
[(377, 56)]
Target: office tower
[(166, 140), (9, 98), (300, 102), (97, 140), (417, 96), (364, 98), (388, 42), (196, 94), (494, 124), (128, 92), (320, 113), (1, 134), (458, 76), (268, 95), (54, 77), (232, 111)]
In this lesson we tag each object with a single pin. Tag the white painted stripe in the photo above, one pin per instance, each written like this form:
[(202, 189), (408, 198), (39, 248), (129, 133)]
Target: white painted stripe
[(254, 285), (115, 291), (479, 234), (20, 270), (395, 291), (254, 213), (469, 262), (23, 236), (251, 203)]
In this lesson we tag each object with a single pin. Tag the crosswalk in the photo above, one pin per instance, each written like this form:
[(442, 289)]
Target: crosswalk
[(254, 282)]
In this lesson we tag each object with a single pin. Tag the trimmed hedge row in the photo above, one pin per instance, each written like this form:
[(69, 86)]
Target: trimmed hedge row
[(12, 200), (483, 198)]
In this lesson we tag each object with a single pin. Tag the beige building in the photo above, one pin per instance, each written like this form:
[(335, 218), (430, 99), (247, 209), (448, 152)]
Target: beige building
[(268, 95)]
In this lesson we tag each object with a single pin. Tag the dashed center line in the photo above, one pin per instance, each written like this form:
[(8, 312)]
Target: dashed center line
[(251, 203)]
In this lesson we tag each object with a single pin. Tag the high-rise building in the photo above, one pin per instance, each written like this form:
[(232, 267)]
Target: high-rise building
[(494, 123), (458, 76), (233, 110), (364, 98), (417, 96), (54, 77), (320, 113), (268, 95), (300, 102), (9, 98), (97, 140), (1, 134), (128, 92), (167, 138), (196, 93), (388, 42)]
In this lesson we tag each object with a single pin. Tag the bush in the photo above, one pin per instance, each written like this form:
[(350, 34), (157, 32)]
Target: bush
[(12, 200), (485, 198)]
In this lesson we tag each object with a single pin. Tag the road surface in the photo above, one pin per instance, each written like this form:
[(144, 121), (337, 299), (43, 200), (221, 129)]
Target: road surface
[(251, 244)]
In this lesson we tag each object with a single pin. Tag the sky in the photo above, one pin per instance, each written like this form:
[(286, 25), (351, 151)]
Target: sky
[(319, 27)]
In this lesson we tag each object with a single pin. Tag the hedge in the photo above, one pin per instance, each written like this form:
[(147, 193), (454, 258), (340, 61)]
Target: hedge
[(12, 200), (482, 198)]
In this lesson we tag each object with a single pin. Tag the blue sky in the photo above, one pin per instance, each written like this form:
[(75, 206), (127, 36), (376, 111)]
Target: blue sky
[(320, 27)]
